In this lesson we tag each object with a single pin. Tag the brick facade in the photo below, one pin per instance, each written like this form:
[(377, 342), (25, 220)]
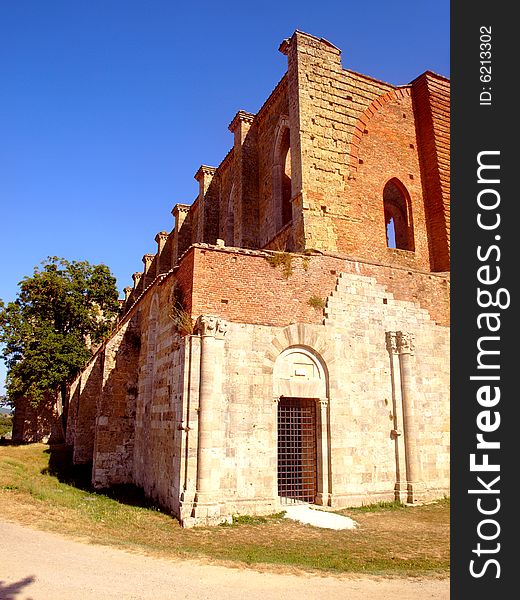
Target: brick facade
[(282, 279)]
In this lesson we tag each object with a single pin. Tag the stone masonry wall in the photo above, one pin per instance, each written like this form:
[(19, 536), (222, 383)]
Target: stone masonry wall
[(147, 419), (432, 107), (115, 420), (267, 123), (349, 135), (190, 415), (246, 287), (85, 394), (362, 408), (160, 368), (356, 134)]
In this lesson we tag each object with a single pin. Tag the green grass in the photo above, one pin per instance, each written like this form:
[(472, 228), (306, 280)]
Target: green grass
[(378, 506), (254, 520), (6, 424), (39, 487)]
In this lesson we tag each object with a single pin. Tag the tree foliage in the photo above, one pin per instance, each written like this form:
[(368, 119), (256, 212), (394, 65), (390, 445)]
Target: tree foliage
[(48, 332)]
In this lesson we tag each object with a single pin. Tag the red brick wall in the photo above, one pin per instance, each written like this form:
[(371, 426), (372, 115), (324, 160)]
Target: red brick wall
[(247, 288), (431, 94), (387, 149)]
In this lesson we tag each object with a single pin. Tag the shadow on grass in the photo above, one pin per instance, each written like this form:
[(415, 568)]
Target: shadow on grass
[(62, 467), (4, 441)]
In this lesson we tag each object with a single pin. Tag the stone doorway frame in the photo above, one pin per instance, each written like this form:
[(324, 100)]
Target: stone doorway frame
[(300, 372), (297, 452)]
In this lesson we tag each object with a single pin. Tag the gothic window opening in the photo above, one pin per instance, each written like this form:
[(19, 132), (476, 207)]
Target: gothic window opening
[(398, 220), (285, 156), (230, 219), (282, 177), (297, 450), (390, 233)]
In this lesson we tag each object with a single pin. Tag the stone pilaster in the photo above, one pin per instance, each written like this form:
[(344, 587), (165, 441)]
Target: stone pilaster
[(163, 263), (138, 283), (400, 487), (149, 274), (206, 508), (208, 206), (406, 347), (323, 495), (182, 232), (245, 196)]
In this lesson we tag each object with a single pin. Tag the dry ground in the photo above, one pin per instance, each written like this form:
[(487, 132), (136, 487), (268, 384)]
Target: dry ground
[(389, 541), (45, 566)]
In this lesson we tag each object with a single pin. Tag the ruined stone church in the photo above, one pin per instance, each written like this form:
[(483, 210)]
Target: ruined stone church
[(288, 341)]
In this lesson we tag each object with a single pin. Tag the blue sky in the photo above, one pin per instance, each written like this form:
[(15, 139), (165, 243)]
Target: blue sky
[(108, 107)]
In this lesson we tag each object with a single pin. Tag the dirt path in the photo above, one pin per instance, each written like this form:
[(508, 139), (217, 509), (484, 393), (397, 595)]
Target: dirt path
[(36, 565)]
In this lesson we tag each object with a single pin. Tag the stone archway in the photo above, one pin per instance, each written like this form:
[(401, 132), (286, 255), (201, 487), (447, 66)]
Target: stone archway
[(300, 391)]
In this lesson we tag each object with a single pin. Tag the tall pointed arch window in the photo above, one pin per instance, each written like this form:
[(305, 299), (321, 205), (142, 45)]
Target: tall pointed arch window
[(398, 216), (230, 218), (282, 182), (285, 162)]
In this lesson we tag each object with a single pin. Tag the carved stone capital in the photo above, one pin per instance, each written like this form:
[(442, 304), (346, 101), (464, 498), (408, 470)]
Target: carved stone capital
[(391, 342), (405, 342), (222, 327), (323, 402), (211, 325)]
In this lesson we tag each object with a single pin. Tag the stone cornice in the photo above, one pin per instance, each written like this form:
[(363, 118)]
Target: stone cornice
[(161, 236), (181, 208), (204, 170), (147, 260), (241, 116)]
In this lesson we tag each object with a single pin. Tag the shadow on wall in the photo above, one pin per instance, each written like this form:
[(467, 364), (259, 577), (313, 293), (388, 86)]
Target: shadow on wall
[(79, 476)]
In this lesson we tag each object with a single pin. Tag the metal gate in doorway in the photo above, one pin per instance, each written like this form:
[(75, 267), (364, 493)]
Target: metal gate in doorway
[(297, 474)]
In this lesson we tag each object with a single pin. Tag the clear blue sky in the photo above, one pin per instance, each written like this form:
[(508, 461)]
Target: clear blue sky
[(108, 107)]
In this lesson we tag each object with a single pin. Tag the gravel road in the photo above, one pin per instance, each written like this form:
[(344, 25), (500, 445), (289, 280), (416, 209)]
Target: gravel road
[(36, 565)]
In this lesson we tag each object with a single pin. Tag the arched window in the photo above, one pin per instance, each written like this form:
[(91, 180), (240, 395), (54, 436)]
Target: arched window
[(285, 162), (230, 219), (282, 192), (398, 217)]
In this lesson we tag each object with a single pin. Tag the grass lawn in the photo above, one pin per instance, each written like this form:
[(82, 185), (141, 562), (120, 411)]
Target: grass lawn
[(39, 488)]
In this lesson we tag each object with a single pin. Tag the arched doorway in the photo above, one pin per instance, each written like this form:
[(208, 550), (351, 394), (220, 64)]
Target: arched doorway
[(300, 389)]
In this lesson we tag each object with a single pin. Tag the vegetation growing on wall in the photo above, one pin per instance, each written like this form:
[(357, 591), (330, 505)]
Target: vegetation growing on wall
[(283, 260), (178, 313)]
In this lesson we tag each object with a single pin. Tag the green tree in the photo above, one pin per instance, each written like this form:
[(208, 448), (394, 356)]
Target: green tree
[(49, 332)]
